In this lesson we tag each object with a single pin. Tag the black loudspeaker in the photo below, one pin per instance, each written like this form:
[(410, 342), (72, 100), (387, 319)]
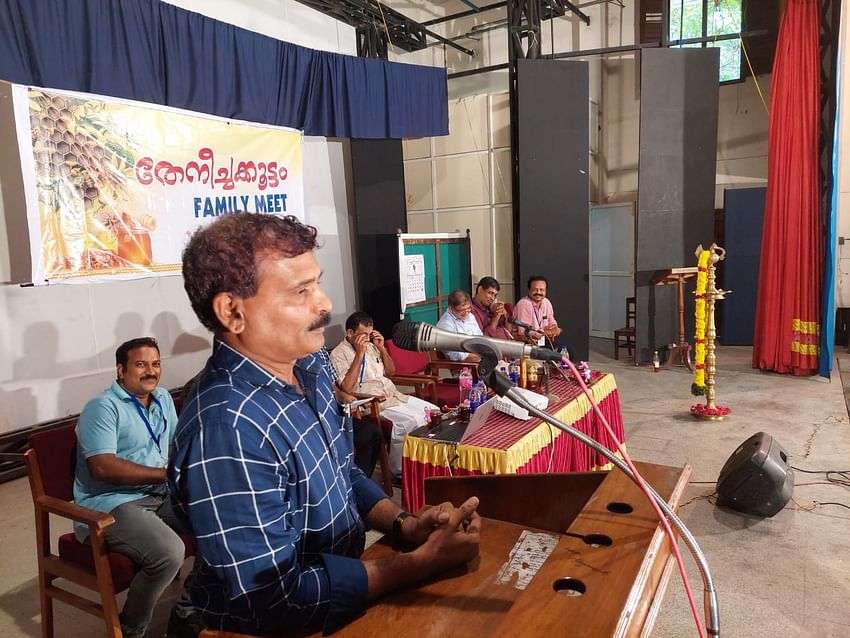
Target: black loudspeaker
[(756, 479)]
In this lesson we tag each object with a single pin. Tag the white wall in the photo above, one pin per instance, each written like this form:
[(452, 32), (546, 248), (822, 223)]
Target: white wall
[(57, 342), (463, 180), (282, 19)]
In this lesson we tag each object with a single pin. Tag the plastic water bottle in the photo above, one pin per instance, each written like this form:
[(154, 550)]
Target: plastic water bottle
[(480, 392), (474, 398), (513, 372), (565, 356), (465, 386)]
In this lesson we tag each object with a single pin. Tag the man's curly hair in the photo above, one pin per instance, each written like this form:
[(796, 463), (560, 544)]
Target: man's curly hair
[(222, 257)]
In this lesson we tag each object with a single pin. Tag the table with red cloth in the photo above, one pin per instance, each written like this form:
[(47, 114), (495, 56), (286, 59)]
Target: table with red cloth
[(506, 445)]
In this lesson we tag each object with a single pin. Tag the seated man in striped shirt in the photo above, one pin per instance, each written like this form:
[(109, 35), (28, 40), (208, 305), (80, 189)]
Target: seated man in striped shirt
[(261, 466)]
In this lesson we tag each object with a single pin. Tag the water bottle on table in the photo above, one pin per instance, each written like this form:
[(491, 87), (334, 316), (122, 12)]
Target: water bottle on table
[(513, 372), (477, 396), (465, 389)]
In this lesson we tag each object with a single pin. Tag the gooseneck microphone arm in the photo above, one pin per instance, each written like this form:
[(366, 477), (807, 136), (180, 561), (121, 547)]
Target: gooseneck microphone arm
[(506, 388), (422, 337)]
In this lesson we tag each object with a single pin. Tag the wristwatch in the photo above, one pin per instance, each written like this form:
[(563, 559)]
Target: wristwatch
[(397, 533)]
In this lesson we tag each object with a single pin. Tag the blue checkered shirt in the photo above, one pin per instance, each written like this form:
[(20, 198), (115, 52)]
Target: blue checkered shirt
[(266, 479)]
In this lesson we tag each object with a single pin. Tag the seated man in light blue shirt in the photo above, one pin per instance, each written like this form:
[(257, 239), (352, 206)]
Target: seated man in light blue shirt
[(459, 318), (123, 436)]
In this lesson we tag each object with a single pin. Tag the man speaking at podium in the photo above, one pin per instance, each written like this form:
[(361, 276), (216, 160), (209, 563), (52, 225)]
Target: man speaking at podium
[(262, 467)]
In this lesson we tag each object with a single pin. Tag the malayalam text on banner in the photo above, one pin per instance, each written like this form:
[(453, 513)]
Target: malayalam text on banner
[(115, 188)]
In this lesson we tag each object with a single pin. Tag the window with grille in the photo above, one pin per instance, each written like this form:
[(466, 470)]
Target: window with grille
[(705, 19)]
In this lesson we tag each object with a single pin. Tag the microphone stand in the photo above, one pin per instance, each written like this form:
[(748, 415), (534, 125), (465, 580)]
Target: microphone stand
[(505, 387)]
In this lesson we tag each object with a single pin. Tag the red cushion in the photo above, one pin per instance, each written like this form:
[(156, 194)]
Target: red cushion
[(56, 450), (407, 362), (123, 569), (447, 394)]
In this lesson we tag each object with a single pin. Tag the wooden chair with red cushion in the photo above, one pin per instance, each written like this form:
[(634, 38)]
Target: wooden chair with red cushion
[(50, 462), (439, 361), (417, 369)]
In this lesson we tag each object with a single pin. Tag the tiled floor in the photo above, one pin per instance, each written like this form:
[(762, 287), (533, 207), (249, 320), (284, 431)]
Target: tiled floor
[(787, 575)]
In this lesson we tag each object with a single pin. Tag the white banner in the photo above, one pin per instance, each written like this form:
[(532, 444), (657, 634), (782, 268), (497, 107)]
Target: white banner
[(115, 188)]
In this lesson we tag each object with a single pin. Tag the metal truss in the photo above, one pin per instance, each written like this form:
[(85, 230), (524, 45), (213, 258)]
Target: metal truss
[(378, 26), (548, 9)]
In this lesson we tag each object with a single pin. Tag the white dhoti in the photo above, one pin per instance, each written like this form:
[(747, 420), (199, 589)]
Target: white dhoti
[(406, 417)]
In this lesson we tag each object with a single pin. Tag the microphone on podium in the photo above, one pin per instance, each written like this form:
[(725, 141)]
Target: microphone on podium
[(421, 337)]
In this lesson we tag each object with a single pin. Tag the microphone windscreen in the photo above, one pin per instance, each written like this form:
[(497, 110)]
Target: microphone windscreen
[(404, 334)]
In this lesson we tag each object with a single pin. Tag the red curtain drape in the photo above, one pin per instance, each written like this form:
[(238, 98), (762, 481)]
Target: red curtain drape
[(787, 325)]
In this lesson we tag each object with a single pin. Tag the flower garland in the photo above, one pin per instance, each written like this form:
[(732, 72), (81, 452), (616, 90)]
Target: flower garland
[(698, 386), (704, 411)]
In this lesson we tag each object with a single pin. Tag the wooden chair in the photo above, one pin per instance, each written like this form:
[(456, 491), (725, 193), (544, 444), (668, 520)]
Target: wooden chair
[(372, 412), (625, 337), (419, 371), (50, 465), (439, 361)]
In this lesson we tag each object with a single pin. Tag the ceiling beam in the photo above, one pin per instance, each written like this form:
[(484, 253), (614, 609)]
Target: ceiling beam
[(383, 21)]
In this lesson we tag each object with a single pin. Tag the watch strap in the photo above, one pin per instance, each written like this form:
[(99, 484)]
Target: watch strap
[(398, 536)]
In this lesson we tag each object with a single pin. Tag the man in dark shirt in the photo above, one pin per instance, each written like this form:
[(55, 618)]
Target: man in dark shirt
[(262, 465), (490, 313)]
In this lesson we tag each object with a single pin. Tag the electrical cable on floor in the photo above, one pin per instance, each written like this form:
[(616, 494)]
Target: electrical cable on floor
[(799, 469), (803, 508), (844, 481), (711, 498), (674, 545), (818, 483), (831, 503)]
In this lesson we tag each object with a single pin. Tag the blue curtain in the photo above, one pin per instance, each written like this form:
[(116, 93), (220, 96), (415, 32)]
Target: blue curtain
[(827, 337), (155, 52)]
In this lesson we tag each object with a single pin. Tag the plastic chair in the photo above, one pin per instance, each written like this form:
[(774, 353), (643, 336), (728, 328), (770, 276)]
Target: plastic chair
[(50, 466), (625, 337)]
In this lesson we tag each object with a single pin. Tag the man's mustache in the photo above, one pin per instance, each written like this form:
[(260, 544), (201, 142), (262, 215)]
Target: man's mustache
[(323, 320), (149, 378)]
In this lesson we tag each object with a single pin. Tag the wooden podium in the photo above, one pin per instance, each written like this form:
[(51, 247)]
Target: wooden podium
[(606, 538), (678, 276)]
